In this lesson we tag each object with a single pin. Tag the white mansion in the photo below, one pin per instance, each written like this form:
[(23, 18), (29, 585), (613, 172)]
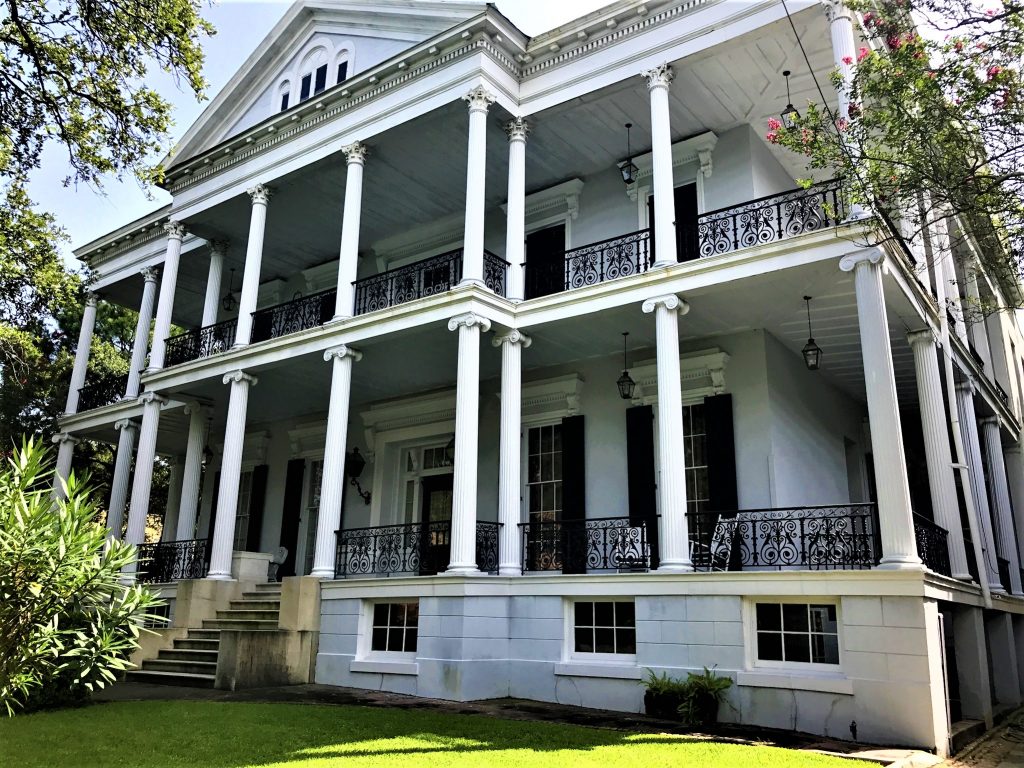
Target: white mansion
[(466, 490)]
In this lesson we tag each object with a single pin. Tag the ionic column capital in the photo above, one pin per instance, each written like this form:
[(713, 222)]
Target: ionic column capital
[(517, 129), (65, 437), (479, 99), (669, 301), (91, 299), (260, 194), (122, 424), (341, 352), (219, 247), (866, 256), (151, 397), (194, 406), (659, 77), (175, 230), (150, 274), (923, 336), (512, 337), (355, 153), (836, 10), (469, 320), (239, 376)]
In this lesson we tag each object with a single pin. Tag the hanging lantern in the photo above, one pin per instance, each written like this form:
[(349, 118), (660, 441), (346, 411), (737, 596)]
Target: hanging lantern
[(790, 114), (811, 351), (625, 383), (629, 169)]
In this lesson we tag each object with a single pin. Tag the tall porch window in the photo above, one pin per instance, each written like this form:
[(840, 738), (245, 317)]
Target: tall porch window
[(544, 473), (243, 511), (316, 476)]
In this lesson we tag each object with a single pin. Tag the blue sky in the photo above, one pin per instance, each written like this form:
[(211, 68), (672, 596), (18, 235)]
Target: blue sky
[(87, 213)]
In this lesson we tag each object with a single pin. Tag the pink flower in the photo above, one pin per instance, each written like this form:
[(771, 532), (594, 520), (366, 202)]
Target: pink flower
[(959, 45), (862, 54), (994, 71), (774, 124), (894, 42), (990, 11), (931, 75), (842, 124), (772, 136), (847, 59)]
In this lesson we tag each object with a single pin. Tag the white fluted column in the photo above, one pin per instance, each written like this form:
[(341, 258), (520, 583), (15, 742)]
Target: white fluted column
[(142, 483), (348, 256), (260, 196), (663, 183), (972, 447), (844, 50), (65, 443), (1013, 458), (1001, 500), (128, 430), (974, 317), (82, 353), (171, 512), (672, 497), (467, 434), (332, 489), (935, 427), (895, 518), (211, 302), (510, 460), (165, 304), (192, 473), (141, 343), (230, 475), (515, 229), (476, 177)]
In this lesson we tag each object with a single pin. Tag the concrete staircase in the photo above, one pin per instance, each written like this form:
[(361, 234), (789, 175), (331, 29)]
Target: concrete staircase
[(192, 661)]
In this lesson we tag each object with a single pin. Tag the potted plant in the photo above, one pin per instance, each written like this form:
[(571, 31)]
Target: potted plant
[(664, 695), (702, 695)]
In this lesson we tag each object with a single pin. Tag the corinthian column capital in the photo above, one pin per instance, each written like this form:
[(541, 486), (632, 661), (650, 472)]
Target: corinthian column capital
[(479, 99), (260, 194), (175, 230), (355, 153), (517, 129), (659, 77)]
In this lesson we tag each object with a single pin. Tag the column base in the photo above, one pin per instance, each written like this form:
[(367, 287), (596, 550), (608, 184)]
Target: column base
[(510, 570), (998, 590), (215, 576), (473, 281), (963, 577), (679, 567), (337, 319), (900, 563), (320, 573), (857, 213), (660, 264), (462, 570)]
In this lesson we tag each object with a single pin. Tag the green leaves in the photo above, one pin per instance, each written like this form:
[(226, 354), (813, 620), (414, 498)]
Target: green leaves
[(68, 621)]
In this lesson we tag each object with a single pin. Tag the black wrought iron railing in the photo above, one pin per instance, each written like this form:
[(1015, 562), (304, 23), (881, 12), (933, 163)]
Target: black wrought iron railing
[(608, 259), (423, 278), (932, 545), (580, 546), (1002, 393), (293, 316), (409, 549), (172, 561), (1004, 572), (200, 342), (102, 391), (840, 537)]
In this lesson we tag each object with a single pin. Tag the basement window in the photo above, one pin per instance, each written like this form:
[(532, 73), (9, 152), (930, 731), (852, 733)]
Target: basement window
[(604, 628), (797, 633), (395, 627)]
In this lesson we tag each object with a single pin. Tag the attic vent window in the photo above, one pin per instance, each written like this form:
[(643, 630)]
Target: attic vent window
[(321, 79), (307, 81), (284, 101), (342, 71)]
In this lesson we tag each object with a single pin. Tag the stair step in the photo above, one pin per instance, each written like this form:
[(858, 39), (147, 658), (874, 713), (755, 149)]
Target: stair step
[(189, 644), (188, 654), (203, 634), (269, 586), (239, 624), (256, 605), (171, 678), (249, 615), (180, 667)]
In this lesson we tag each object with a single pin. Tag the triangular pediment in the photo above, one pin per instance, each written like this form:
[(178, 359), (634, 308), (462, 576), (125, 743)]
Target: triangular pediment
[(317, 41)]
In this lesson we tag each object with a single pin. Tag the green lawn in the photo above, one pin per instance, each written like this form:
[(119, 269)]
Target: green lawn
[(232, 735)]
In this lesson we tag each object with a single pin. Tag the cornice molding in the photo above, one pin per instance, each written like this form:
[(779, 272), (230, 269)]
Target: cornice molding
[(702, 374)]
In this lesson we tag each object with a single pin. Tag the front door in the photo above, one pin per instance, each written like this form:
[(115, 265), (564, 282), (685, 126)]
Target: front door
[(436, 519), (687, 240), (545, 261)]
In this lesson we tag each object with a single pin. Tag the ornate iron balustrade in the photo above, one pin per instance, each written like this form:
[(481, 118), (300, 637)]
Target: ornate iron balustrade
[(1004, 572), (171, 561), (293, 316), (772, 218), (409, 549), (608, 259), (199, 343), (932, 546), (578, 546), (815, 538), (102, 391), (423, 278)]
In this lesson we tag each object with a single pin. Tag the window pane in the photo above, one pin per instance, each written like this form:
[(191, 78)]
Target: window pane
[(626, 641), (395, 638), (321, 78), (534, 441), (342, 71), (307, 82), (625, 615), (584, 640), (794, 617), (545, 440), (769, 646), (549, 496), (604, 614), (410, 640), (823, 618), (380, 614), (412, 614), (796, 647), (769, 616), (604, 640), (584, 614), (825, 649), (397, 614), (284, 101), (380, 639)]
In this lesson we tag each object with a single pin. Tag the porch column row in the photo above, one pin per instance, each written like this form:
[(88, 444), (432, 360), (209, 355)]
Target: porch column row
[(127, 433), (479, 99), (192, 473), (141, 343), (214, 278), (260, 196), (1002, 509), (512, 345), (82, 353), (142, 483), (663, 187)]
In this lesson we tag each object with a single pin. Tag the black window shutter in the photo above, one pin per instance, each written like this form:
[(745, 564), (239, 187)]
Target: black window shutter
[(574, 491), (643, 507), (213, 516), (257, 497), (291, 513), (722, 496)]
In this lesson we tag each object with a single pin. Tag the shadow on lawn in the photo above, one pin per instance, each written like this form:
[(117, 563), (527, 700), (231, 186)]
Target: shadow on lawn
[(235, 734)]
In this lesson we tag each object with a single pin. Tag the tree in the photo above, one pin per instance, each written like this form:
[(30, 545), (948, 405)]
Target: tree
[(934, 129), (68, 620)]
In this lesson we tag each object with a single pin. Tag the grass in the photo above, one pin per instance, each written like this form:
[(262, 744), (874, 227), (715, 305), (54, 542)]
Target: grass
[(233, 735)]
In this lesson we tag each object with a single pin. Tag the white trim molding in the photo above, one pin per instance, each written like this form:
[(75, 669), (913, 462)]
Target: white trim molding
[(702, 373), (550, 399)]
